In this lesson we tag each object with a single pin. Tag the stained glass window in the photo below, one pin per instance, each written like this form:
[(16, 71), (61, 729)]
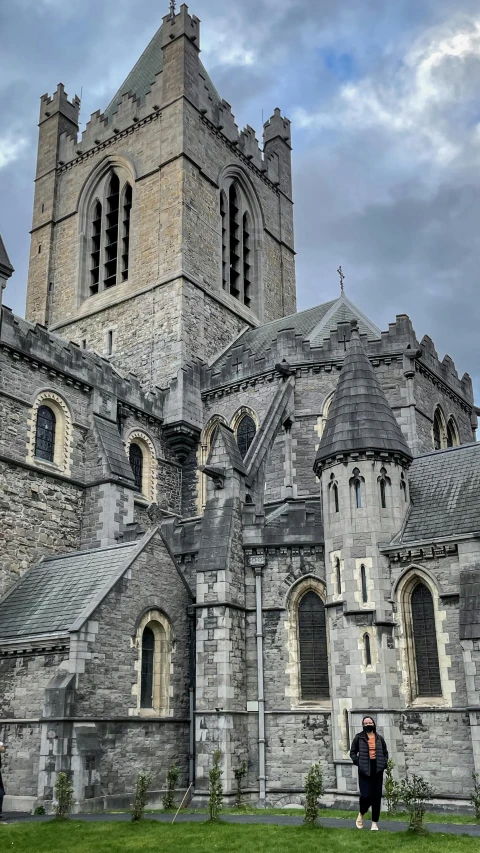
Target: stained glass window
[(425, 642), (136, 462), (313, 648), (45, 434), (245, 434)]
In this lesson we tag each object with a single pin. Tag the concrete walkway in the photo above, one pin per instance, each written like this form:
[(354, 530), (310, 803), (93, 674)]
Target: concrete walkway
[(279, 820)]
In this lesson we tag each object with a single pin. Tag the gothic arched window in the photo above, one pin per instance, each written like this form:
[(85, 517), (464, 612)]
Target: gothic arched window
[(452, 433), (338, 576), (367, 650), (105, 215), (95, 247), (126, 209), (312, 639), (356, 489), (45, 434), (148, 652), (136, 463), (439, 430), (245, 434), (239, 214), (425, 642), (403, 486), (363, 580), (335, 497)]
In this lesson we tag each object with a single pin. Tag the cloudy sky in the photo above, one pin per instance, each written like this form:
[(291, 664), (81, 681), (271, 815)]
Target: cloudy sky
[(385, 103)]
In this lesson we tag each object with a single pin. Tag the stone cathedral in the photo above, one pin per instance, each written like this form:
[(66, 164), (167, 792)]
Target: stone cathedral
[(224, 524)]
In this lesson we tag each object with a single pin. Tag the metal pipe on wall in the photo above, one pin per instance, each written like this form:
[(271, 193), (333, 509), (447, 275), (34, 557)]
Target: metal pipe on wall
[(260, 682)]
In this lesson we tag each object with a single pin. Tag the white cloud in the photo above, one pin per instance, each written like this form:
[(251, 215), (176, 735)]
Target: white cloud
[(11, 148), (416, 96)]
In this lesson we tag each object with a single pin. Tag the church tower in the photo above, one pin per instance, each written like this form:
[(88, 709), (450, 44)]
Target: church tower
[(363, 462), (162, 231)]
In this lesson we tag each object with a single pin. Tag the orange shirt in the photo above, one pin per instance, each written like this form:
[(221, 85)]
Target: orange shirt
[(372, 746)]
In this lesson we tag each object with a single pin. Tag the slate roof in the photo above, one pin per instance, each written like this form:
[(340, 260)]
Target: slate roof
[(314, 325), (5, 265), (113, 449), (140, 79), (444, 494), (52, 595), (360, 417)]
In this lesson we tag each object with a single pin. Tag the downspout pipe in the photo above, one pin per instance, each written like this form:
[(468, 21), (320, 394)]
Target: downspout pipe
[(260, 683), (191, 753)]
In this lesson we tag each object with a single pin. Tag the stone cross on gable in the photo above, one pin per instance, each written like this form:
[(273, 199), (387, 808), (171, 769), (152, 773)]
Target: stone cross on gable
[(172, 8)]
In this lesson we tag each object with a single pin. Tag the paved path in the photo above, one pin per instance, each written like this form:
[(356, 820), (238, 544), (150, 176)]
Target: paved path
[(279, 820)]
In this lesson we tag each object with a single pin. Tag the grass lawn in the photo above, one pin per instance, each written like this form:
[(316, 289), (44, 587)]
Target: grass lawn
[(75, 836), (430, 817)]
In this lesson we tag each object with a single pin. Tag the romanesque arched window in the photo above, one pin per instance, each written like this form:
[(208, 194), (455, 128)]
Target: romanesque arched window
[(428, 682), (154, 646), (136, 462), (439, 430), (240, 228), (50, 432), (143, 462), (312, 640), (246, 430), (45, 434), (452, 433)]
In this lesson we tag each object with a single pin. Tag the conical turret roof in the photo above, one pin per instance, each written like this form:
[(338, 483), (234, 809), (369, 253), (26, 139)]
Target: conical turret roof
[(360, 417)]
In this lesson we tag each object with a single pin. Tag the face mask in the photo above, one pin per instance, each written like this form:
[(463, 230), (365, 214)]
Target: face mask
[(368, 728)]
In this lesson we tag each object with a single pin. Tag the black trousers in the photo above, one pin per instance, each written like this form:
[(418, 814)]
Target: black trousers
[(2, 793), (371, 791)]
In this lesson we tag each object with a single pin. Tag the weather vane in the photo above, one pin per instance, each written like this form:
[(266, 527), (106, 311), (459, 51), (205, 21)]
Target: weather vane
[(172, 8), (342, 279)]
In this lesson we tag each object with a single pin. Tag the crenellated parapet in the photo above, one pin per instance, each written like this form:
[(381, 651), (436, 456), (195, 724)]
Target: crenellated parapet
[(445, 370), (36, 345), (59, 103)]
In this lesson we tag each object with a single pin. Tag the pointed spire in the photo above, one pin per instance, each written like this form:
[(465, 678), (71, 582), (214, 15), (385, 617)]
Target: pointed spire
[(360, 417)]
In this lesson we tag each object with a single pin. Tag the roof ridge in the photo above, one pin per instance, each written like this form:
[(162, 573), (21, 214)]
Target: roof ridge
[(446, 450), (68, 554)]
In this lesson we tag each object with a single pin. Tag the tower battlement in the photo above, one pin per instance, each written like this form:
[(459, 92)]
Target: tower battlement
[(59, 103)]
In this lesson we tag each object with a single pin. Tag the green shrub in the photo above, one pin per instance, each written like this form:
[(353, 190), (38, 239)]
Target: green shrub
[(64, 796), (168, 799), (38, 810), (240, 774), (415, 792), (140, 799), (475, 796), (313, 792), (392, 788), (216, 791)]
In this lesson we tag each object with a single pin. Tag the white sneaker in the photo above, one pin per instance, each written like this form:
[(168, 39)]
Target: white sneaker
[(374, 827), (359, 822)]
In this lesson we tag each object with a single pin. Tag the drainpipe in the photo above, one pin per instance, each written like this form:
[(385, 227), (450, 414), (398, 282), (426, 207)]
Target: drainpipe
[(191, 754), (261, 695)]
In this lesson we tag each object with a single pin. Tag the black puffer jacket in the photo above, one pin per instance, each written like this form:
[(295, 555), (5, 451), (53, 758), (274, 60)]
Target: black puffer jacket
[(360, 756)]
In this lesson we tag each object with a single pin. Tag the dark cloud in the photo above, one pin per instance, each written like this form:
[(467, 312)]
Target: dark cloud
[(384, 98)]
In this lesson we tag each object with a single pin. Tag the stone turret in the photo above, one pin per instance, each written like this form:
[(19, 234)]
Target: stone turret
[(6, 269), (363, 462)]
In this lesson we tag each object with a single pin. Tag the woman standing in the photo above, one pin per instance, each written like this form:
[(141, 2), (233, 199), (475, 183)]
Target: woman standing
[(369, 753)]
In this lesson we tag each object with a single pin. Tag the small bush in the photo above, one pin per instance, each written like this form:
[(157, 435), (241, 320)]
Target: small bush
[(168, 799), (392, 788), (216, 791), (415, 792), (140, 799), (475, 796), (64, 794), (240, 774), (313, 792), (38, 810)]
